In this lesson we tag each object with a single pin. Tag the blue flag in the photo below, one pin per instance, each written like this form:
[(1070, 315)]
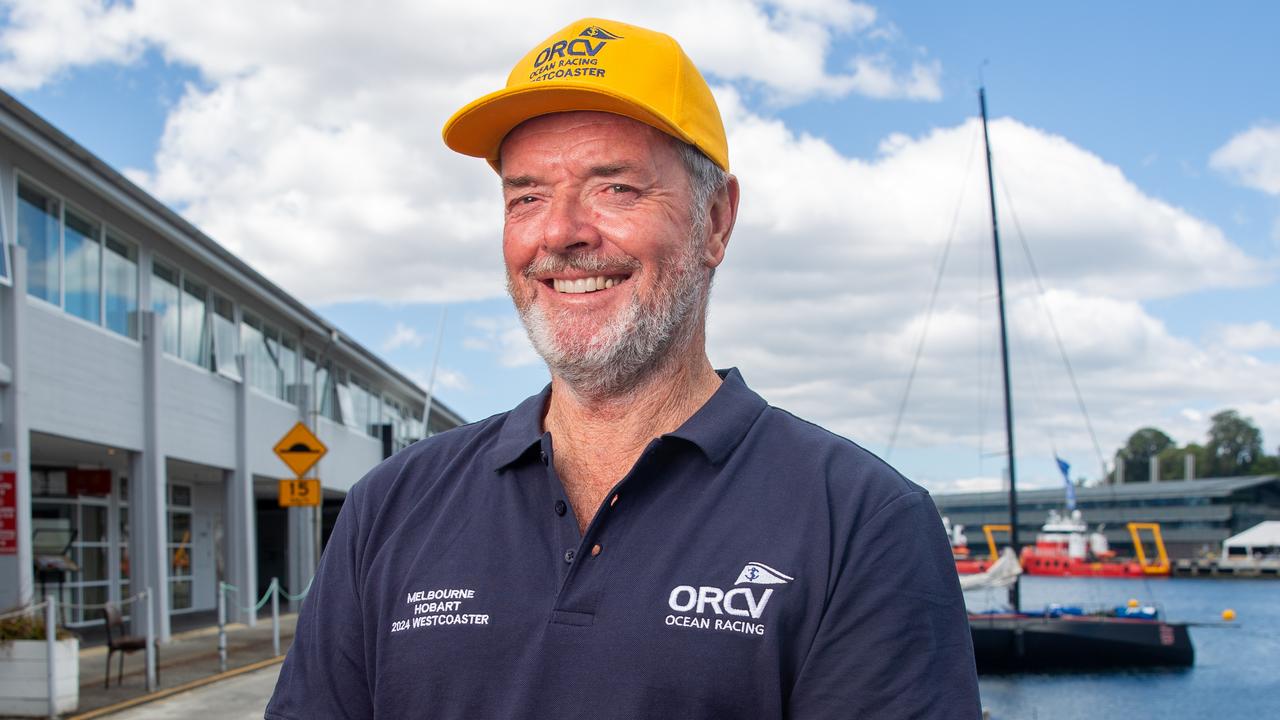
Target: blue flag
[(1066, 477)]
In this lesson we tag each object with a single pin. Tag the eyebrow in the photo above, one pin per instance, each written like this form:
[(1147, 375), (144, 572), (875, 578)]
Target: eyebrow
[(609, 170), (519, 181), (604, 171)]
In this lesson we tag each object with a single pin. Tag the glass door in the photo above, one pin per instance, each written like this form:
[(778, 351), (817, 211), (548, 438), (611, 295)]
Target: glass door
[(180, 577)]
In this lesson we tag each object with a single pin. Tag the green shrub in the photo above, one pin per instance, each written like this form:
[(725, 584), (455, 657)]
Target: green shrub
[(27, 627)]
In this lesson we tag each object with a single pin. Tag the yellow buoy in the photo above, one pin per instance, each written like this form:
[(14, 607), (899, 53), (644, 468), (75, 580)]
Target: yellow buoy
[(1133, 602), (1228, 615)]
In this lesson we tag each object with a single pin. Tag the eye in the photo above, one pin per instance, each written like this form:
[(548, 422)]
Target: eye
[(619, 188), (522, 200)]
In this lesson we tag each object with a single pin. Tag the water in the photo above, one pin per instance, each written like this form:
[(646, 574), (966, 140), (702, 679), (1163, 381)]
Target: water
[(1237, 670)]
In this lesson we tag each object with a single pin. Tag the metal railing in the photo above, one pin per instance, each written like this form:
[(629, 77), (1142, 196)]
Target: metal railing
[(272, 595), (50, 606)]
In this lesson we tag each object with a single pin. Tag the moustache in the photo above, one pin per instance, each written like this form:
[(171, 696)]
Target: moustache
[(594, 264)]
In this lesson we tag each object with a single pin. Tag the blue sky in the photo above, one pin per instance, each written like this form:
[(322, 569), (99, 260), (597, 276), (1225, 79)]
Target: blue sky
[(851, 141)]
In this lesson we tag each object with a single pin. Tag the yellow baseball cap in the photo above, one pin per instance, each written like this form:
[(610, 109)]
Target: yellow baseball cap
[(602, 65)]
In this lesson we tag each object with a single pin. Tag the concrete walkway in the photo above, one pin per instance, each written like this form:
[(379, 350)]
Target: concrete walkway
[(189, 657), (242, 697)]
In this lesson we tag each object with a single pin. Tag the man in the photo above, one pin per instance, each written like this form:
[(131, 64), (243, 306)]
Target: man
[(646, 538)]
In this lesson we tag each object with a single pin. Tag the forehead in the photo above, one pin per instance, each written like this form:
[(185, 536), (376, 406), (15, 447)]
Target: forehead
[(591, 137)]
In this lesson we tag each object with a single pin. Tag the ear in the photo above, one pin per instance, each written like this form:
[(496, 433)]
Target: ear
[(720, 218)]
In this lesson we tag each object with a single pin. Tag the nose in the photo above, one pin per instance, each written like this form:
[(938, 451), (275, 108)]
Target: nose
[(569, 227)]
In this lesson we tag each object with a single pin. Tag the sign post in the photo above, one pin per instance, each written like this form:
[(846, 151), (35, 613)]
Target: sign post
[(300, 449)]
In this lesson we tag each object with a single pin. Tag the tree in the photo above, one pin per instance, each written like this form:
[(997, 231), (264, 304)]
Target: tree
[(1267, 464), (1235, 444), (1143, 445)]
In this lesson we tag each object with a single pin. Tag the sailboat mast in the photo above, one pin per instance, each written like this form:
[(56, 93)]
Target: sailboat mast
[(1014, 598)]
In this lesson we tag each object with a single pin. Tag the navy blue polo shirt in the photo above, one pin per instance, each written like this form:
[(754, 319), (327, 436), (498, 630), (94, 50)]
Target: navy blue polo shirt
[(750, 565)]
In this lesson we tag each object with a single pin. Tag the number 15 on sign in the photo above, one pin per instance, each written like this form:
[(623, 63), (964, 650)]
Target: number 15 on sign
[(299, 492)]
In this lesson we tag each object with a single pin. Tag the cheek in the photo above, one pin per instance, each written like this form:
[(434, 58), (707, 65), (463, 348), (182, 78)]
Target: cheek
[(516, 253)]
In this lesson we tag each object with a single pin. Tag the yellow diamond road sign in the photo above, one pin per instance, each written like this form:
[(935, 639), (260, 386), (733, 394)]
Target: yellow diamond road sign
[(300, 449)]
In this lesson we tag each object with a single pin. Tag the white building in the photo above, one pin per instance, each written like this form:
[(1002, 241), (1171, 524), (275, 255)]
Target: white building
[(145, 375)]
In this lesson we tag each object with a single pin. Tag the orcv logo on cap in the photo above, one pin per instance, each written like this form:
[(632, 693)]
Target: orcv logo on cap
[(602, 66)]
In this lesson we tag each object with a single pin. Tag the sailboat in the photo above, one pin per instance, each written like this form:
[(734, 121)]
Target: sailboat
[(1057, 637)]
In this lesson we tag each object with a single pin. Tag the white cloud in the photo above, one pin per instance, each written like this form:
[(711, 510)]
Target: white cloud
[(875, 76), (1249, 336), (402, 336), (822, 297), (446, 379), (318, 147), (504, 336), (42, 39), (1252, 158), (983, 483)]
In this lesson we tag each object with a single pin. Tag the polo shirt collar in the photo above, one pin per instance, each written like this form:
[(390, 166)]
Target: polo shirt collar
[(716, 428), (521, 431), (722, 422)]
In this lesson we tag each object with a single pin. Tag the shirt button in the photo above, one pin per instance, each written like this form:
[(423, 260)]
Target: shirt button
[(561, 508), (595, 549), (569, 555), (544, 457)]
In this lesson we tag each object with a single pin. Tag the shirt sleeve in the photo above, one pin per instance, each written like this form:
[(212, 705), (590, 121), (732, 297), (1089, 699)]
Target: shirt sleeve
[(325, 674), (894, 639)]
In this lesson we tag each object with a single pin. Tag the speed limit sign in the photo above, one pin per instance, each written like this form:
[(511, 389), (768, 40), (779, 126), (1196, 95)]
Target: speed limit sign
[(299, 492)]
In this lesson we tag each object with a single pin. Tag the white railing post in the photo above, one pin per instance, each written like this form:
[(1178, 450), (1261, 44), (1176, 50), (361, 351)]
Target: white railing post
[(275, 615), (51, 646), (222, 626), (149, 598)]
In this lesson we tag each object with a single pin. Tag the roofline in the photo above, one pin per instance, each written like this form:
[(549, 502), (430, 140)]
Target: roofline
[(28, 128), (1218, 486)]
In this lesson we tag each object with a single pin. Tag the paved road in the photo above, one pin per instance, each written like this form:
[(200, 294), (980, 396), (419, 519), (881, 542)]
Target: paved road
[(238, 698)]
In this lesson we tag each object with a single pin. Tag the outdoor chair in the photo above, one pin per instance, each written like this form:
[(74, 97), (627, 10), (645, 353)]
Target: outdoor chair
[(121, 643)]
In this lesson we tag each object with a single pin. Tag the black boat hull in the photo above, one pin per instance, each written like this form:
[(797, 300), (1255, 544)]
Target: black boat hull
[(1018, 643)]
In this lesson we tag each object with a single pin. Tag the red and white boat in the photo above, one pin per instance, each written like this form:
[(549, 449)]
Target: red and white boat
[(1064, 547)]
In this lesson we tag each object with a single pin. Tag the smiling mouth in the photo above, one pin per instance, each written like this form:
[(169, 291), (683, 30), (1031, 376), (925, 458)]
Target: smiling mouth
[(586, 285)]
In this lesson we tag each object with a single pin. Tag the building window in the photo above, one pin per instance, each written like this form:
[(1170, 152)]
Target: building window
[(38, 232), (259, 363), (76, 263), (82, 253), (270, 357), (308, 379), (406, 425), (164, 303), (289, 367), (363, 406), (224, 337), (120, 286), (4, 260), (193, 333), (323, 386)]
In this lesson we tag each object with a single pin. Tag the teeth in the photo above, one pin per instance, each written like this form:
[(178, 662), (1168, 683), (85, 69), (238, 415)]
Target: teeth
[(584, 285)]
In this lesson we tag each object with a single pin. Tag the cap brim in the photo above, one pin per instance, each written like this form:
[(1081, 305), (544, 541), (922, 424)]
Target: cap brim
[(479, 128)]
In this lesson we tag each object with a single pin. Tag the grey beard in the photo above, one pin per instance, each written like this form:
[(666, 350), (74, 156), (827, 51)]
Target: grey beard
[(616, 360)]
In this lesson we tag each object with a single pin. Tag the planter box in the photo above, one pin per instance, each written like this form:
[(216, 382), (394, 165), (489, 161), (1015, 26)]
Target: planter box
[(24, 671)]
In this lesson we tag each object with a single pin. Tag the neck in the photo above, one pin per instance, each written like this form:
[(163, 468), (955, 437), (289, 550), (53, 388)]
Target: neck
[(659, 403), (599, 438)]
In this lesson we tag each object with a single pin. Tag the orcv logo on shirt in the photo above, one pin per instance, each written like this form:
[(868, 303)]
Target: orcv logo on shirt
[(761, 574), (742, 602)]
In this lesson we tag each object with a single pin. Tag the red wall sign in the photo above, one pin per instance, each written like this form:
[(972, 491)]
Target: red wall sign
[(8, 513)]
